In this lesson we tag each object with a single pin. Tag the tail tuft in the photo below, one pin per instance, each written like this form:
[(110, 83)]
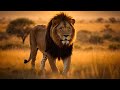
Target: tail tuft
[(25, 61)]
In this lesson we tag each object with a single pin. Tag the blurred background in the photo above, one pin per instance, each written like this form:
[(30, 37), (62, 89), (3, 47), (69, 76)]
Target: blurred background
[(97, 43)]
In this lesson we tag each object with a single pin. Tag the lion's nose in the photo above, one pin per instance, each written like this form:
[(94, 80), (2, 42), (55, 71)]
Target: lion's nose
[(66, 35)]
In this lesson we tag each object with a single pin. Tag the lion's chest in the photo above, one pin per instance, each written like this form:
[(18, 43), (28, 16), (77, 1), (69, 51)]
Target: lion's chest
[(60, 53)]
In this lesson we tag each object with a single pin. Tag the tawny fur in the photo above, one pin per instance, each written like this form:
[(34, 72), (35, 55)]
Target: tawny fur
[(48, 42)]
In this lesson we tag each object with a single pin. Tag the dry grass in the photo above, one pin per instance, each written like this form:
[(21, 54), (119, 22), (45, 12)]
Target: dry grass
[(87, 63), (91, 64)]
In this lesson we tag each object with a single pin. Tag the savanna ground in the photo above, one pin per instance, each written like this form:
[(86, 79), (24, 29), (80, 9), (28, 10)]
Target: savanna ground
[(88, 61), (85, 65)]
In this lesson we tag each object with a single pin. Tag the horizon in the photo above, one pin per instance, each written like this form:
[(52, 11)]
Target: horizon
[(46, 15), (42, 17)]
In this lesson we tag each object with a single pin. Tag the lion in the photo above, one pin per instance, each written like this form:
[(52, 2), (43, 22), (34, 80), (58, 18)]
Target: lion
[(55, 42)]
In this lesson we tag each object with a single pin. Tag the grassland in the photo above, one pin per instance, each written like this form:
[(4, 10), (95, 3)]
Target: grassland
[(89, 61), (94, 64)]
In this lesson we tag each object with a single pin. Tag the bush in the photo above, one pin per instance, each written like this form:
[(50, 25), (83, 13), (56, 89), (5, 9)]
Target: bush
[(114, 46), (115, 39), (107, 29), (3, 36), (100, 20), (83, 35), (94, 39), (107, 36), (112, 20)]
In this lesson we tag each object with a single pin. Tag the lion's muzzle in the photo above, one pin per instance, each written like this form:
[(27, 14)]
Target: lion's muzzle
[(65, 40)]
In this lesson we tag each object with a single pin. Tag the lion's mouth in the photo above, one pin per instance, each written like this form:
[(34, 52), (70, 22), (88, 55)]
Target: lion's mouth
[(65, 42)]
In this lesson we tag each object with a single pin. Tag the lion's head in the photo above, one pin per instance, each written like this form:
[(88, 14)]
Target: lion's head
[(60, 36), (62, 31)]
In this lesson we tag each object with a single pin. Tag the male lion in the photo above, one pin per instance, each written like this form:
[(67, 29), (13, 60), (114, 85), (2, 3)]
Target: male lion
[(55, 42)]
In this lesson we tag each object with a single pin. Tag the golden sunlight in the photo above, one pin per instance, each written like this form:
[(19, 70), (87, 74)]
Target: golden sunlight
[(96, 50)]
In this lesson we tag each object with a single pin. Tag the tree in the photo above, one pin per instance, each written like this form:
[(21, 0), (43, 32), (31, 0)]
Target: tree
[(100, 20), (112, 20), (20, 27)]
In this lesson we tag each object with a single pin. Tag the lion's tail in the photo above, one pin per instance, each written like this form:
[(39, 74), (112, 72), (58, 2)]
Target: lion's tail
[(30, 57), (26, 61)]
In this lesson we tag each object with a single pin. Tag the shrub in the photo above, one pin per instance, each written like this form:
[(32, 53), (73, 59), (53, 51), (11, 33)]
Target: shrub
[(3, 35), (83, 35), (115, 39), (114, 46), (95, 39), (107, 36)]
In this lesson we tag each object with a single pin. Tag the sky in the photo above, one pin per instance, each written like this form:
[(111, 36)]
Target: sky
[(46, 15)]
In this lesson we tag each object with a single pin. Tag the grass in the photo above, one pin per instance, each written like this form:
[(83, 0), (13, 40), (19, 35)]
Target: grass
[(93, 64), (88, 61)]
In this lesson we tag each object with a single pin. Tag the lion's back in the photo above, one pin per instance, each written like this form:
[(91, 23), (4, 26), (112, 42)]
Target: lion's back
[(38, 36)]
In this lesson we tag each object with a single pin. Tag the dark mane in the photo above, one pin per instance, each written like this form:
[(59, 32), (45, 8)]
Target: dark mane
[(62, 17), (51, 47)]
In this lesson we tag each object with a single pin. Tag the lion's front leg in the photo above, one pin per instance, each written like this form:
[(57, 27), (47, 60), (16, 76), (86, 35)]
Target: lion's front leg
[(52, 62), (66, 62)]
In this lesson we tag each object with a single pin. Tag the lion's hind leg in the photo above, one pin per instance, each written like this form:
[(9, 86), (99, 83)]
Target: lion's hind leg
[(33, 56), (42, 64)]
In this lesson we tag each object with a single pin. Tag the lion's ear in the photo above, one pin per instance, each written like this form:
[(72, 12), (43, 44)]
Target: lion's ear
[(54, 22), (72, 21)]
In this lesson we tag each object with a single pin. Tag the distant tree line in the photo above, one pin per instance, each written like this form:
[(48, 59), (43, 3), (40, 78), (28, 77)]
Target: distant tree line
[(98, 37), (103, 20)]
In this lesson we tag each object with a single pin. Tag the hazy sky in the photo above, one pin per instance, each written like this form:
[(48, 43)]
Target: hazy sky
[(45, 15)]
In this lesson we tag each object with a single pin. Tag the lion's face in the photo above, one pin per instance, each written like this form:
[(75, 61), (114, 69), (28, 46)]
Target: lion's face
[(63, 33)]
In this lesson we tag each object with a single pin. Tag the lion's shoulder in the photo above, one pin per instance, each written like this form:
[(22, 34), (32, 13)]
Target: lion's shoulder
[(38, 28)]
